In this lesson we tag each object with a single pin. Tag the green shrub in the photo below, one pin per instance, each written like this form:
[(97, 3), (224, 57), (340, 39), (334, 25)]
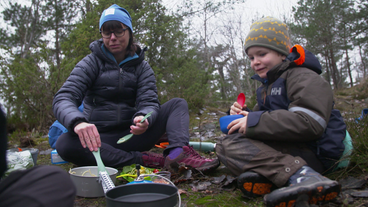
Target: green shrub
[(359, 134), (358, 159)]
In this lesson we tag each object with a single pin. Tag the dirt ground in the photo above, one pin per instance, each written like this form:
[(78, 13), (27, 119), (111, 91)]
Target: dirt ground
[(218, 188)]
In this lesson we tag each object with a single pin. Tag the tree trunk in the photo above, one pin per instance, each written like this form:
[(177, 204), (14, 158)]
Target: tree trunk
[(363, 62), (220, 69), (335, 72), (328, 75), (348, 65)]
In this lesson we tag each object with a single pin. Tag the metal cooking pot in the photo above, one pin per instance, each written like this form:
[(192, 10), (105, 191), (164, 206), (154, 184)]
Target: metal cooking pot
[(142, 195), (86, 180), (139, 194)]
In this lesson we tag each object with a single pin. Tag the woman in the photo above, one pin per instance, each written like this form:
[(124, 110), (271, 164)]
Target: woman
[(118, 89)]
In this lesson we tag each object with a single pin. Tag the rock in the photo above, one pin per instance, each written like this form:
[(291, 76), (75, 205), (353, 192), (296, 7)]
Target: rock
[(360, 194), (352, 183), (208, 126), (218, 180), (46, 152)]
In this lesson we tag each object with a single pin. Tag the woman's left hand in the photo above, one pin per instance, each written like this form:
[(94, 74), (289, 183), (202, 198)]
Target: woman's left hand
[(239, 124), (139, 128)]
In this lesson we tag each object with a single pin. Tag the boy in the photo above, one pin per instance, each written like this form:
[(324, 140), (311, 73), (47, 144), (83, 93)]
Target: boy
[(282, 143)]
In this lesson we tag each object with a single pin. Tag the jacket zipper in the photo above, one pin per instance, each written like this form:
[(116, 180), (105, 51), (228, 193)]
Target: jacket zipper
[(93, 108), (265, 93)]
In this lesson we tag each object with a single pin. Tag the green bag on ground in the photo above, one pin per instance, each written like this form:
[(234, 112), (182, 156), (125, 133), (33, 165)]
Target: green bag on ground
[(345, 158)]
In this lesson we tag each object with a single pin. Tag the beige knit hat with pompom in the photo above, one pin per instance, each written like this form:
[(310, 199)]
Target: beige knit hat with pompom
[(271, 33)]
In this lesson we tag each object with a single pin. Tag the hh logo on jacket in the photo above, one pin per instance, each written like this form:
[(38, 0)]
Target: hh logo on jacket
[(276, 91)]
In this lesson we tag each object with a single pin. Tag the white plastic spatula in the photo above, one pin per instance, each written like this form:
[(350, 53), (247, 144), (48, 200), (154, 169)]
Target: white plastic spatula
[(104, 176), (127, 137)]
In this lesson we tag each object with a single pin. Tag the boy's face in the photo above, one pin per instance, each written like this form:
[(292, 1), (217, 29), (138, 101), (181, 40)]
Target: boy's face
[(263, 59)]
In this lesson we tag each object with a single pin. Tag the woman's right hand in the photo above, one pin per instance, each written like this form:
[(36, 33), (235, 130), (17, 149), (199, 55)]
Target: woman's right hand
[(88, 135), (236, 108)]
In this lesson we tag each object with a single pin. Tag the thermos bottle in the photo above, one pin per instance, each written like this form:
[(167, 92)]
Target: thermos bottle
[(203, 146)]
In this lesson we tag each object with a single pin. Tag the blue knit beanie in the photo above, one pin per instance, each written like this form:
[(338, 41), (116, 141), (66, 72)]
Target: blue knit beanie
[(117, 13)]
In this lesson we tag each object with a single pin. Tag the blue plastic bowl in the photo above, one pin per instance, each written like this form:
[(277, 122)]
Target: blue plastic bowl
[(226, 120)]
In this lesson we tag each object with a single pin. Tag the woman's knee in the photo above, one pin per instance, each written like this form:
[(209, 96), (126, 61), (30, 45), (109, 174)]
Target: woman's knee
[(59, 146), (179, 101), (175, 104), (66, 145)]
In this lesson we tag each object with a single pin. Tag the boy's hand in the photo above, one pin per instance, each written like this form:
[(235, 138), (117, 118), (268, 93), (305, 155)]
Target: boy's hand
[(236, 108), (139, 128), (239, 124)]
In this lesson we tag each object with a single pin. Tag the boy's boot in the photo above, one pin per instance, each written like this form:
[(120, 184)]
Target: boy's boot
[(306, 185), (253, 184)]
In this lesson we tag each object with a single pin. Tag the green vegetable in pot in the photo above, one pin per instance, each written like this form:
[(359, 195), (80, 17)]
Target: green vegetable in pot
[(129, 173)]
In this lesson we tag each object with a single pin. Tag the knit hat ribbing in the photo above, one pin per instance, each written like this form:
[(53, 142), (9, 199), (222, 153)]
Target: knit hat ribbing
[(271, 33), (117, 13)]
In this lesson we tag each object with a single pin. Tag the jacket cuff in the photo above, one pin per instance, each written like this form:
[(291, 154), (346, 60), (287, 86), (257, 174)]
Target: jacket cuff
[(253, 118), (75, 123), (252, 121)]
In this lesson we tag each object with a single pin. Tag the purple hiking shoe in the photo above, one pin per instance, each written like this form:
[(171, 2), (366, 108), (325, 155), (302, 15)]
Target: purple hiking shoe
[(192, 159), (153, 160)]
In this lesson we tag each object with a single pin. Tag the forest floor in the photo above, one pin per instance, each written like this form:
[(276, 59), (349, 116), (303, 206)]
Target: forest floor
[(218, 188)]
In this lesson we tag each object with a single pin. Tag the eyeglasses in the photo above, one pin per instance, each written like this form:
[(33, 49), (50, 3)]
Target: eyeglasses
[(117, 33)]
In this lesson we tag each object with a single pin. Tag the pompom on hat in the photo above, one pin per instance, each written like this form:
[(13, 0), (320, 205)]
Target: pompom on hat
[(271, 33), (117, 13)]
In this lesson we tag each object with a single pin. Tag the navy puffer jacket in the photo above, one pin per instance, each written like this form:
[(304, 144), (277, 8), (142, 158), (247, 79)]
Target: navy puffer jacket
[(113, 95)]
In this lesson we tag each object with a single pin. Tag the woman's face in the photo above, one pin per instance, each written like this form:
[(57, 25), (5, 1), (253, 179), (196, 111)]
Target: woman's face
[(116, 40), (263, 59)]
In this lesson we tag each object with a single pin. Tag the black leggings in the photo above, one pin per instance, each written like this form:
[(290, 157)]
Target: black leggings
[(173, 119)]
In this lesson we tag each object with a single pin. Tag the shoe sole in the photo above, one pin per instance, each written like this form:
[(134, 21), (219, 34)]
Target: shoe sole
[(206, 169), (321, 192), (254, 185)]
